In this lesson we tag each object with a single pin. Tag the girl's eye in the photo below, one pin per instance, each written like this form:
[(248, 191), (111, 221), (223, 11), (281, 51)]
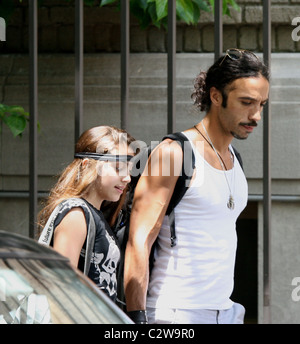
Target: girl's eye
[(117, 167), (121, 167)]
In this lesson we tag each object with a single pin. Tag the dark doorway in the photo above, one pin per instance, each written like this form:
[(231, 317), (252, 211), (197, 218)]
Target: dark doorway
[(246, 280)]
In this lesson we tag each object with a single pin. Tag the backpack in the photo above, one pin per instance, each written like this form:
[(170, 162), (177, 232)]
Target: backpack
[(121, 228)]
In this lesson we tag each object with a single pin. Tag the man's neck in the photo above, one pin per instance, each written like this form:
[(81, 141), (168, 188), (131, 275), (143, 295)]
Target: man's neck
[(220, 140)]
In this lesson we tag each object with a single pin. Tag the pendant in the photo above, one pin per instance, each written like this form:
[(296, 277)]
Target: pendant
[(230, 203)]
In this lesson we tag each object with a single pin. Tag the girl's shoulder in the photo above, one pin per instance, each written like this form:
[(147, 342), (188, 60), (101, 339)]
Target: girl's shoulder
[(74, 202), (69, 206)]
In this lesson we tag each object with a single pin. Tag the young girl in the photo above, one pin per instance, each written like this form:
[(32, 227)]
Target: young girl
[(98, 173)]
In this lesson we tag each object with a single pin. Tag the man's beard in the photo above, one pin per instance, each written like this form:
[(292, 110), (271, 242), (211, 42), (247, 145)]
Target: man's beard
[(238, 137)]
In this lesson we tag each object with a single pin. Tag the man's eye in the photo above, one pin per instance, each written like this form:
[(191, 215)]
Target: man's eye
[(246, 103)]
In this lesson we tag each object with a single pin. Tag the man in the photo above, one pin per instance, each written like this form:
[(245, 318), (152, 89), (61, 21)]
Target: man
[(192, 282)]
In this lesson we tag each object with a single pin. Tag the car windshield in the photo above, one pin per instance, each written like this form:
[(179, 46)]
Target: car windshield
[(39, 291)]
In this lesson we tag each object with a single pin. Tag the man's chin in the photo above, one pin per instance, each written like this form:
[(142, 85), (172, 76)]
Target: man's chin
[(239, 137)]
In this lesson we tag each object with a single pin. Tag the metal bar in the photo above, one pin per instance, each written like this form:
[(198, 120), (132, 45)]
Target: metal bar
[(251, 198), (78, 68), (125, 41), (275, 198), (218, 30), (171, 66), (33, 110), (22, 194), (267, 172)]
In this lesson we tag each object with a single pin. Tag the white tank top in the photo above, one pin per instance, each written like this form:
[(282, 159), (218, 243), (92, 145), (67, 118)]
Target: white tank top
[(198, 272)]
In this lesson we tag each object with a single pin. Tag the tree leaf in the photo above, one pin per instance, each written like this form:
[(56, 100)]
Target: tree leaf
[(185, 10), (16, 124), (196, 13), (143, 4), (107, 2), (234, 5), (161, 9), (140, 13), (153, 15), (202, 5), (15, 117)]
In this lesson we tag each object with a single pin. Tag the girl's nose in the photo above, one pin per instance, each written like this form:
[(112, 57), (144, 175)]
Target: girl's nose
[(127, 178)]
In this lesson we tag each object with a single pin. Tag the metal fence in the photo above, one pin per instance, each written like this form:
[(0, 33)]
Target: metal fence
[(125, 118)]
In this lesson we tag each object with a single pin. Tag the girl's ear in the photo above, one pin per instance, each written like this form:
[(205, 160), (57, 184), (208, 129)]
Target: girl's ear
[(85, 162), (216, 96)]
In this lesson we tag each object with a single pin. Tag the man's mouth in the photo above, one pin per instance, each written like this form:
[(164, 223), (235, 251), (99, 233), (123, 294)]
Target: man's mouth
[(249, 126)]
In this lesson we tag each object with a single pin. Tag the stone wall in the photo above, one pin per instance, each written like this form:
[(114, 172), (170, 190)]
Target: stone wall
[(102, 29), (147, 108)]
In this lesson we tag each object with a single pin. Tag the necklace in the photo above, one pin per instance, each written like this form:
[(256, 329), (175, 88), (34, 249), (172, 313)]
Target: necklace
[(230, 203), (210, 145)]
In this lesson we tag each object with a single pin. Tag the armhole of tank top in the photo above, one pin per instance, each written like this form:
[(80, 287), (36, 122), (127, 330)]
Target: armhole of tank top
[(196, 153)]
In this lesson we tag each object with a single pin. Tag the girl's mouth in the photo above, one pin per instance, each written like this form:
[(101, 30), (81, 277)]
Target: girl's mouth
[(120, 188)]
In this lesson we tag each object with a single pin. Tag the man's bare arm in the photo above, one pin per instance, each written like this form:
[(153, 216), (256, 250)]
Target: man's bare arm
[(152, 195)]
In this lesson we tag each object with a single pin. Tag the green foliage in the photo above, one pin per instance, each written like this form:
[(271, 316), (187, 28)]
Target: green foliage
[(147, 11), (15, 118), (156, 11)]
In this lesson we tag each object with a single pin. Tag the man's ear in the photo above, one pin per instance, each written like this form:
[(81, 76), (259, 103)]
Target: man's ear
[(216, 96)]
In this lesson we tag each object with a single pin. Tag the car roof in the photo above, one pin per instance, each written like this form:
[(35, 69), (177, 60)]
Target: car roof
[(13, 245)]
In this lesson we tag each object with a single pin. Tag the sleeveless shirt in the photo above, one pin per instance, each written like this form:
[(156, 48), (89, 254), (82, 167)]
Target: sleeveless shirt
[(106, 252), (198, 272)]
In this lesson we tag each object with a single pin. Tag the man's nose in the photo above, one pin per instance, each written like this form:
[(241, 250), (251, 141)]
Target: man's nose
[(256, 115)]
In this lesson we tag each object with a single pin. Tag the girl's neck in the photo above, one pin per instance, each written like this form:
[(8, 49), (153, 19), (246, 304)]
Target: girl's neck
[(94, 201)]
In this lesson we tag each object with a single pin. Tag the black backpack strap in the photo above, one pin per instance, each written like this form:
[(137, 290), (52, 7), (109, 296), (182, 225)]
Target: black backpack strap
[(238, 156), (188, 165)]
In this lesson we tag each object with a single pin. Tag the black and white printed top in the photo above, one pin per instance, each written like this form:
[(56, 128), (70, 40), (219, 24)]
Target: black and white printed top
[(106, 252)]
